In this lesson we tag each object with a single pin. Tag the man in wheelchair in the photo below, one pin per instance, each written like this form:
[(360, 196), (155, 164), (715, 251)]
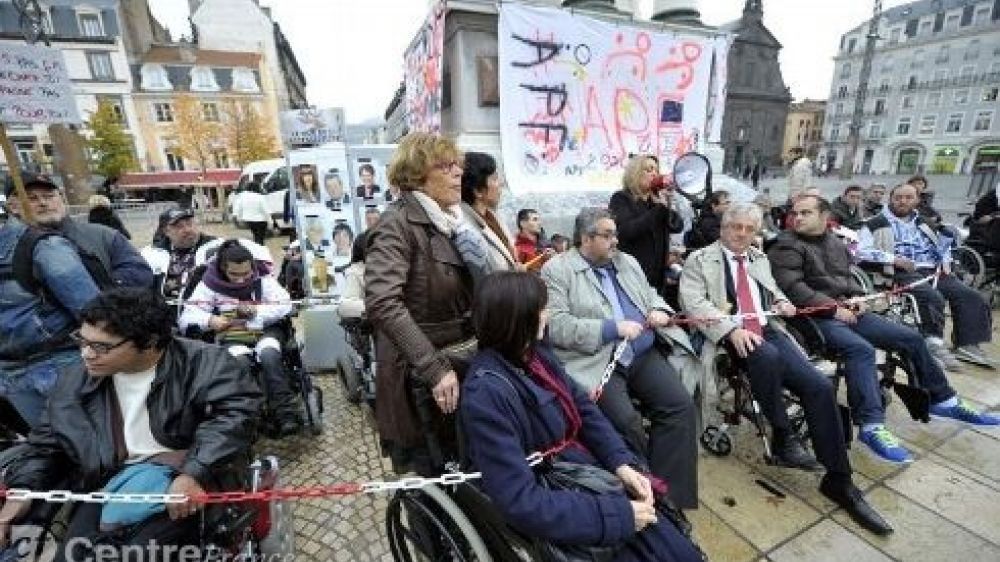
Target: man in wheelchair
[(243, 306), (813, 268), (732, 271), (906, 249), (146, 413)]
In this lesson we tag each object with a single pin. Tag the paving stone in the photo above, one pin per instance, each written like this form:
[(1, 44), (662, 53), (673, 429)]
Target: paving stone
[(729, 491), (920, 534), (952, 495), (828, 541), (974, 451), (719, 540)]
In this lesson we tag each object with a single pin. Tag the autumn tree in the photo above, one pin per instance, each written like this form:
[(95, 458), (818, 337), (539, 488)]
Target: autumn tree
[(195, 136), (248, 135), (110, 144)]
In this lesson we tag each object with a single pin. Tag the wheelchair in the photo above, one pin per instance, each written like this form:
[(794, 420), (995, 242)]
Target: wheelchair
[(357, 371), (254, 530), (978, 266), (736, 401), (299, 380)]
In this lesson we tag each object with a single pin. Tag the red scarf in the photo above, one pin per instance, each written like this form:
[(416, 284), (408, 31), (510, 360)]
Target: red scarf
[(548, 380)]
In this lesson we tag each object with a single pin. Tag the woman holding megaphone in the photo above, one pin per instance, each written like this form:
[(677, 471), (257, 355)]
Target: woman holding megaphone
[(645, 214)]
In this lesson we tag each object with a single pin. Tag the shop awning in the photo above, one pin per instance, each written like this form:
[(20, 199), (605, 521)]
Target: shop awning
[(186, 178)]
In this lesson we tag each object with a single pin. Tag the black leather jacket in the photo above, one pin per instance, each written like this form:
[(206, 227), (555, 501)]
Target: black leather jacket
[(202, 400)]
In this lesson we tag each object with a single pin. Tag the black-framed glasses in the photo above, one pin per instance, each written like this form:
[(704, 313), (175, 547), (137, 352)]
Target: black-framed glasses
[(98, 347), (609, 235)]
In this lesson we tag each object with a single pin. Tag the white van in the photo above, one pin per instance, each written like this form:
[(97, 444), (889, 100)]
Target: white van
[(272, 176)]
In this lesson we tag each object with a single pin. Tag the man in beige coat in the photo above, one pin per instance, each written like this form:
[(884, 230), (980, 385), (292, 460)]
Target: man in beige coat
[(599, 296), (730, 283)]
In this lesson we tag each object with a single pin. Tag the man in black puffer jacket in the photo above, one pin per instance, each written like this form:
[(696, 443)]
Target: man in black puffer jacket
[(812, 267), (146, 413)]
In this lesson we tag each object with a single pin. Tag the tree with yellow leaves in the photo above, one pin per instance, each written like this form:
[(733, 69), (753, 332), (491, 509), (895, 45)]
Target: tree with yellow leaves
[(247, 134), (195, 136)]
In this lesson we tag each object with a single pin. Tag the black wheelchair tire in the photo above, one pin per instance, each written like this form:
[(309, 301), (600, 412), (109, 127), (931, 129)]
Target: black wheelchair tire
[(313, 402), (713, 442), (350, 377), (425, 502)]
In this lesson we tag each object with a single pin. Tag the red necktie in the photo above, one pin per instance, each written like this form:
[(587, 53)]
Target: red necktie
[(744, 298)]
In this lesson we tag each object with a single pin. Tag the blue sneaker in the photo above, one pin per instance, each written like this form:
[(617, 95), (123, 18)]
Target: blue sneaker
[(885, 445), (964, 413)]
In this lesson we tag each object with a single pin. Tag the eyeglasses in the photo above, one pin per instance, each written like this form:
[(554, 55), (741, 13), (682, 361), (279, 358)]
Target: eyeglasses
[(98, 347), (609, 235), (446, 166)]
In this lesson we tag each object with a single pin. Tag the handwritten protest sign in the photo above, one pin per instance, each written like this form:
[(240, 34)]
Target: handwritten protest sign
[(423, 74), (579, 95), (35, 86), (312, 126)]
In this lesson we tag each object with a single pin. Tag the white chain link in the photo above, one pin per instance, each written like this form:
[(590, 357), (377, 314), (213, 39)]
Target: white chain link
[(374, 487)]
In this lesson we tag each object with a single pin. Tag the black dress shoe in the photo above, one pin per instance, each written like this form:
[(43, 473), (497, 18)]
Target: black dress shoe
[(846, 495), (792, 453)]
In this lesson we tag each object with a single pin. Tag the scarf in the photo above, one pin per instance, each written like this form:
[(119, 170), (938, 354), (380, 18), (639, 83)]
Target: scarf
[(468, 239), (548, 380), (242, 292)]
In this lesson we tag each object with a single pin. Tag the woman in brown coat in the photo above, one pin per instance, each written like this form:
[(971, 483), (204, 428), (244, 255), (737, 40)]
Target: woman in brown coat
[(418, 295)]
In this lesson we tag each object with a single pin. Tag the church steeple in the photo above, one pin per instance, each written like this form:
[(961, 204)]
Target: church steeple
[(754, 7)]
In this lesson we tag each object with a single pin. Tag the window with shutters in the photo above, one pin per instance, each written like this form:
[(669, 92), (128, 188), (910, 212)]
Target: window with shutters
[(90, 25)]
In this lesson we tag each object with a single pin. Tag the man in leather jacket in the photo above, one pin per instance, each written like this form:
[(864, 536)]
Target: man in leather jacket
[(179, 416)]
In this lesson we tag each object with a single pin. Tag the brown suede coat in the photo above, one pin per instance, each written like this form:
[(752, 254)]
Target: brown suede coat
[(418, 296)]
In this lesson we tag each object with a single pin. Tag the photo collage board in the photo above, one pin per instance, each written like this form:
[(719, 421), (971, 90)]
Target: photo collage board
[(338, 195)]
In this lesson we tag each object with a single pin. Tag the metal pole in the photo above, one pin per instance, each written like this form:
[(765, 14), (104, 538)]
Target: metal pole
[(10, 154), (854, 134)]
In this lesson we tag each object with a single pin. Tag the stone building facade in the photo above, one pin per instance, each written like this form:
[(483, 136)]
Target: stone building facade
[(932, 103), (753, 130)]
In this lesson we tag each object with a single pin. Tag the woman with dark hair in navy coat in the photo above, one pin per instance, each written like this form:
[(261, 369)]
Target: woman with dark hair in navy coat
[(516, 400)]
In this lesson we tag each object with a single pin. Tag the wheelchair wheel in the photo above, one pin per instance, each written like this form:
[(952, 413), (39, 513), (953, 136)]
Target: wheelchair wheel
[(968, 266), (426, 524), (313, 399), (863, 279), (716, 441), (350, 377)]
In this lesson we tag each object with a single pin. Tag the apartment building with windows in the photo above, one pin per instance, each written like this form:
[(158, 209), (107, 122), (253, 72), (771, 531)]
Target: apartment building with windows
[(212, 77), (804, 128), (89, 34), (932, 102)]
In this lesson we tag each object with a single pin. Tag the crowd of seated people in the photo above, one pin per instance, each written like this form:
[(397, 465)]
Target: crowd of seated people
[(528, 340)]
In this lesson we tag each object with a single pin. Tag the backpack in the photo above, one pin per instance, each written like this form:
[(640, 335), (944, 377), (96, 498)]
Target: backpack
[(22, 268)]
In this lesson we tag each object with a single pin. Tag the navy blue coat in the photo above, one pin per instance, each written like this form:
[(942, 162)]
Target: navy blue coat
[(505, 417)]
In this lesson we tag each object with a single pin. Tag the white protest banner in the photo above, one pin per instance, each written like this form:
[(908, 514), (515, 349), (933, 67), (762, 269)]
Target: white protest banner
[(35, 86), (312, 126), (578, 96), (717, 103), (422, 72)]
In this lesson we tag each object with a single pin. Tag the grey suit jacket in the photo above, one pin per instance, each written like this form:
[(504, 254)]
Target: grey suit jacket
[(578, 308), (703, 288)]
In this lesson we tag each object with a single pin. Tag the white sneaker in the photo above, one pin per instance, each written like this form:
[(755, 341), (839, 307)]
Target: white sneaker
[(942, 355)]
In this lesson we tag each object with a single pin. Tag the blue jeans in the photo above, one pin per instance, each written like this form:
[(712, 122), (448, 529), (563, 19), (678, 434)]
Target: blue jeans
[(27, 387), (857, 343)]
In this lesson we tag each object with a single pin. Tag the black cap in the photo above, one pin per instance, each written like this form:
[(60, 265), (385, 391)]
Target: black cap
[(30, 181), (171, 216)]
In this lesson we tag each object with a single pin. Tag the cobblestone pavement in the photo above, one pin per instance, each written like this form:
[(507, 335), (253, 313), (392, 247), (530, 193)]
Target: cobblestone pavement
[(344, 527)]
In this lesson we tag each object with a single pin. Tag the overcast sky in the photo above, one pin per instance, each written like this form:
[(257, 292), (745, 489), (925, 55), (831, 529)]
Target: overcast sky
[(352, 50)]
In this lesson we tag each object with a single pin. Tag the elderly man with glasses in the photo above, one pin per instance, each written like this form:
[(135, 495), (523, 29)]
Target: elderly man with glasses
[(599, 296)]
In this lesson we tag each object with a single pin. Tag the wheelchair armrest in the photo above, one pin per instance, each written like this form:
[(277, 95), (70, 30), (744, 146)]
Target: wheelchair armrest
[(807, 333)]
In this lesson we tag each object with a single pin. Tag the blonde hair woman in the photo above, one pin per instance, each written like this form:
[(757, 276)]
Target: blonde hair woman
[(102, 213), (645, 218), (419, 295)]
